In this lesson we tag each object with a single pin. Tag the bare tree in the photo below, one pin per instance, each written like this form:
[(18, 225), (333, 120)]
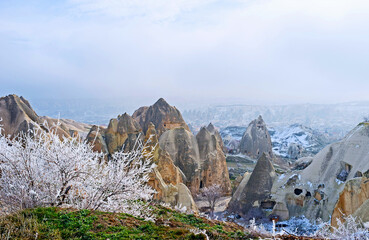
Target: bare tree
[(212, 195), (40, 168), (366, 118)]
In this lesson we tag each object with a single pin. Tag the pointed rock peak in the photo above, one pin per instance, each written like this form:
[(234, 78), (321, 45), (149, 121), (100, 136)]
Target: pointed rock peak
[(125, 116), (161, 103), (264, 162), (211, 128), (203, 131), (260, 119)]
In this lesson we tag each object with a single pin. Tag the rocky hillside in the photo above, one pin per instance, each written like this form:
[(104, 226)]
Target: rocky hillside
[(332, 182), (58, 223), (17, 115), (185, 162), (297, 141)]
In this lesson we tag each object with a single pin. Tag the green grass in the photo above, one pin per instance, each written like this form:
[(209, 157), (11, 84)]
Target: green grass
[(57, 223)]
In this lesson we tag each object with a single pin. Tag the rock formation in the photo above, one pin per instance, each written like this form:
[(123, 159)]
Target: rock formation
[(353, 196), (96, 137), (18, 116), (213, 162), (183, 149), (122, 132), (167, 179), (162, 115), (294, 151), (314, 189), (256, 140), (253, 194)]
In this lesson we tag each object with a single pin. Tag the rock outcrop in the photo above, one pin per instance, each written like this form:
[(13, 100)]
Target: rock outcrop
[(162, 115), (121, 133), (256, 140), (17, 115), (353, 196), (253, 194), (314, 189), (213, 162), (96, 137), (167, 179), (183, 149)]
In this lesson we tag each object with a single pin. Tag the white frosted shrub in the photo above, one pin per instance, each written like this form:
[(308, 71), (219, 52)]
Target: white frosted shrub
[(40, 168)]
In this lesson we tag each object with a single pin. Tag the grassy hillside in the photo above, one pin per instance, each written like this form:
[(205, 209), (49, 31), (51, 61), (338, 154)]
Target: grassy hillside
[(57, 223)]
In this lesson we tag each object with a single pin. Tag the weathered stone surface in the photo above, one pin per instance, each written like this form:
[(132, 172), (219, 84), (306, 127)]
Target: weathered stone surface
[(167, 179), (122, 132), (257, 189), (17, 115), (317, 185), (162, 115), (354, 194), (362, 212), (256, 140), (183, 149), (185, 198), (294, 150), (241, 186), (213, 162), (96, 138), (281, 210)]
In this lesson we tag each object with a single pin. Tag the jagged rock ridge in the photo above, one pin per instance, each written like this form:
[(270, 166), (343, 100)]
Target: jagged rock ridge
[(162, 115)]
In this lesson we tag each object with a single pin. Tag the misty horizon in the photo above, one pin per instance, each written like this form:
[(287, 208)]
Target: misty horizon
[(197, 52)]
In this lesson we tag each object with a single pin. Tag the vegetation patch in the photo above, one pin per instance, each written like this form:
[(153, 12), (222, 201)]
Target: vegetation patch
[(58, 223)]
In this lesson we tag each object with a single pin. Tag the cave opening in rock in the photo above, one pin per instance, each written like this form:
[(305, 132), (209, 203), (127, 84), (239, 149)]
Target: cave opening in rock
[(268, 204), (297, 191)]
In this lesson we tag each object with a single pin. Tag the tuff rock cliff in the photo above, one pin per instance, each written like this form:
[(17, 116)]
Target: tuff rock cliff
[(162, 115), (213, 163), (256, 140), (182, 159), (18, 116), (331, 182), (253, 194)]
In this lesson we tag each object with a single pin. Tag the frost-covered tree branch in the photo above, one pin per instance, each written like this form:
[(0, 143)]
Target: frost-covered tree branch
[(41, 168), (211, 194)]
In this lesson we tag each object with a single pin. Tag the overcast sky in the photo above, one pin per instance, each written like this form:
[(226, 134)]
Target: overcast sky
[(239, 51)]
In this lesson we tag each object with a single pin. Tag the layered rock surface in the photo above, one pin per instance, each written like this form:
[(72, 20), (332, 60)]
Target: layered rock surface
[(253, 193), (121, 133), (213, 162), (353, 197), (18, 116), (256, 140), (167, 179), (183, 149), (162, 115)]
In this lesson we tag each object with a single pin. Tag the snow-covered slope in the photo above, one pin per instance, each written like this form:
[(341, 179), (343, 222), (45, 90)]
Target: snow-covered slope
[(232, 136), (297, 140)]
